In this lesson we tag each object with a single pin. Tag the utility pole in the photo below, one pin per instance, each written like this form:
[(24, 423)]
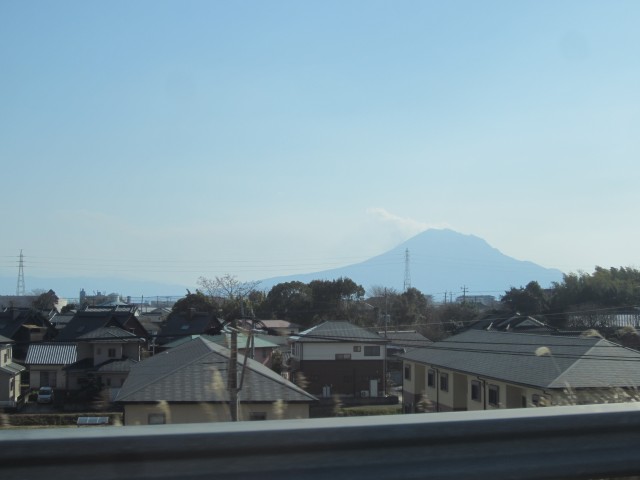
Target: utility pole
[(232, 380), (20, 289), (464, 294)]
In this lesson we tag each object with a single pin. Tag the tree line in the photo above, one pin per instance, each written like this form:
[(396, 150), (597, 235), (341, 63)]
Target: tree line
[(580, 300)]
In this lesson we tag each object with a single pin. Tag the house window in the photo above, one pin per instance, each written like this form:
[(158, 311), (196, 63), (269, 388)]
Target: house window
[(494, 395), (6, 357), (343, 356), (476, 391), (156, 419), (431, 378), (357, 348), (444, 382), (538, 400), (111, 353), (12, 384), (257, 416), (407, 372), (372, 351)]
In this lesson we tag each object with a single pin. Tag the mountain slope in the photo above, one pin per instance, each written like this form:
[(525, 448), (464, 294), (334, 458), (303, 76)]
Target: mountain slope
[(439, 261)]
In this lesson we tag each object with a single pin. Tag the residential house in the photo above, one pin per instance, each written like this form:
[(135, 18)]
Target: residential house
[(259, 348), (10, 375), (101, 358), (340, 358), (178, 325), (24, 326), (47, 361), (61, 320), (400, 342), (91, 318), (281, 327), (153, 319), (514, 323), (188, 384), (105, 357), (483, 370)]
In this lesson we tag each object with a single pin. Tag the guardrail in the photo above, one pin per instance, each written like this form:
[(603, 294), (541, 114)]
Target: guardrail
[(593, 441)]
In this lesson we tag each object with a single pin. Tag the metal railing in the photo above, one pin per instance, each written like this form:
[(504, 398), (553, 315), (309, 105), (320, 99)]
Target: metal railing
[(595, 441)]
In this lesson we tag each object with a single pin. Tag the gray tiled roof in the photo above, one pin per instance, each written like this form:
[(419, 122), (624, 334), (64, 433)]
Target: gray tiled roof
[(197, 372), (12, 320), (338, 332), (51, 354), (178, 325), (86, 321), (109, 335), (511, 357), (5, 339), (407, 339)]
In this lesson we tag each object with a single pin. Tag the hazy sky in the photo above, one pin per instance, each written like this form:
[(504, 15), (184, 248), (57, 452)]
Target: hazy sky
[(169, 140)]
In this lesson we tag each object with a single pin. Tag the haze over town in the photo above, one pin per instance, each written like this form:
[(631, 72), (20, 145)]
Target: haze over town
[(272, 138)]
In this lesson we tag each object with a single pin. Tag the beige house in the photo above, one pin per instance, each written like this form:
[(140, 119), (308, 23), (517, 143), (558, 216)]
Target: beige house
[(10, 375), (105, 357), (484, 370), (188, 384), (46, 363), (102, 357)]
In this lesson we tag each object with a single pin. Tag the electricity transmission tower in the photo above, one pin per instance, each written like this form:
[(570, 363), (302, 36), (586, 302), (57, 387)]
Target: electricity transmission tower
[(407, 273), (20, 289)]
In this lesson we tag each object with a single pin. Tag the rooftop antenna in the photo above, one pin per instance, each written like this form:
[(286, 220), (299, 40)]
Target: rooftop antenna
[(407, 274), (20, 288)]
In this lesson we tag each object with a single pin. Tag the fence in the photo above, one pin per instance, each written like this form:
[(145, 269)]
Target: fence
[(595, 441)]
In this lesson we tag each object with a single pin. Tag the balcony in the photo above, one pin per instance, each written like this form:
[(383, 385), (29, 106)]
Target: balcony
[(595, 441)]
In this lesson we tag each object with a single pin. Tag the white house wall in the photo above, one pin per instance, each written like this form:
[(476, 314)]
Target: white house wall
[(128, 350), (328, 351)]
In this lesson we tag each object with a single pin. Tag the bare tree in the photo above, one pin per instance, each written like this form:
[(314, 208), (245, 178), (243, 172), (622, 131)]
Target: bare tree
[(228, 291), (226, 287)]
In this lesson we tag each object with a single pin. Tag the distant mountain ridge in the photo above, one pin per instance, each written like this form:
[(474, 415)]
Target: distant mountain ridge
[(439, 261)]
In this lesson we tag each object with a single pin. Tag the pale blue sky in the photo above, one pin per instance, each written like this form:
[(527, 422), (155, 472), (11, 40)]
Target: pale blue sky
[(168, 140)]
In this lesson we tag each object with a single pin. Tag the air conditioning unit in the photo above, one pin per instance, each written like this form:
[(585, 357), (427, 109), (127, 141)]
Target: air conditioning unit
[(364, 393)]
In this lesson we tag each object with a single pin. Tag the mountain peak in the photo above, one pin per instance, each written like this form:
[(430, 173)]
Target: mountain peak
[(441, 260)]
